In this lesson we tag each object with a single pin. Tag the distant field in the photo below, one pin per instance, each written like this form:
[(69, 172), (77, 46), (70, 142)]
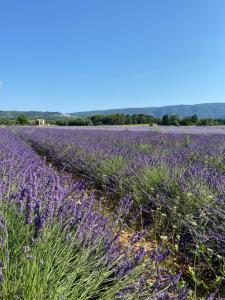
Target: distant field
[(169, 129)]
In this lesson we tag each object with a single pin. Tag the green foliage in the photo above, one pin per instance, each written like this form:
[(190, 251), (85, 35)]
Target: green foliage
[(122, 119), (73, 122), (112, 165), (146, 148), (110, 168), (154, 177), (208, 122), (22, 120), (170, 120), (80, 122)]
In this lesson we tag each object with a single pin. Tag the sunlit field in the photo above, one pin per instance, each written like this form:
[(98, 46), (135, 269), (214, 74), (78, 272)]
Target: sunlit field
[(127, 212), (163, 129)]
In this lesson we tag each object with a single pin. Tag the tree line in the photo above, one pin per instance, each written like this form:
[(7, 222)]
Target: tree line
[(120, 119)]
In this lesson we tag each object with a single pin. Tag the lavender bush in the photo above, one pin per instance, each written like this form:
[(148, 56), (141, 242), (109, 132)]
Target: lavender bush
[(178, 179)]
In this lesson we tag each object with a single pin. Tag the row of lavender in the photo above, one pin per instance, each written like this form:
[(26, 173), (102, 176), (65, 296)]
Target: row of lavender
[(179, 181), (55, 245)]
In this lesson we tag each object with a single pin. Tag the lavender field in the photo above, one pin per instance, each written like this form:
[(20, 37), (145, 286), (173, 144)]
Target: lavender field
[(79, 208), (57, 244), (163, 129)]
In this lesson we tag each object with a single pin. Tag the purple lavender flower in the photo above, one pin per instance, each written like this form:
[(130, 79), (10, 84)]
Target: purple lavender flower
[(1, 273)]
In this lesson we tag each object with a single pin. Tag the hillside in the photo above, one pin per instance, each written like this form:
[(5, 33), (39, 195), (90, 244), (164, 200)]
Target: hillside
[(31, 114), (205, 110)]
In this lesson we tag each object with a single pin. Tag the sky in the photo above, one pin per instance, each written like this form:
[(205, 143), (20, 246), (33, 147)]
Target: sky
[(75, 55)]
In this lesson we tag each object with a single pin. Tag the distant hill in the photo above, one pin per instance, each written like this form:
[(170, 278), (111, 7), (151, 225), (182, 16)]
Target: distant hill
[(205, 110), (31, 114)]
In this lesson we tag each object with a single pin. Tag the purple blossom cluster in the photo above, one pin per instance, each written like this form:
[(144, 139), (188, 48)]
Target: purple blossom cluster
[(42, 197)]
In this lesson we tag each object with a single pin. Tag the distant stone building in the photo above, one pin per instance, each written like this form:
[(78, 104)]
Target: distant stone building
[(40, 122)]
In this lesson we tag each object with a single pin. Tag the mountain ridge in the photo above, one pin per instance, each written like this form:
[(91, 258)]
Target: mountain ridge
[(203, 110)]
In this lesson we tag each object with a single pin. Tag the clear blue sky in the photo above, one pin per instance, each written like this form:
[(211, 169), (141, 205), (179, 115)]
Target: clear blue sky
[(73, 55)]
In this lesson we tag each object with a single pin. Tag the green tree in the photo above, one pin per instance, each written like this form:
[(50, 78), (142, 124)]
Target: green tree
[(165, 120), (22, 120), (174, 120), (194, 119)]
